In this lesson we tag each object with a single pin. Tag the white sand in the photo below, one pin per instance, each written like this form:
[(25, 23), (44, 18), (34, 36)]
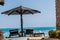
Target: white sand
[(20, 38), (32, 38), (25, 38)]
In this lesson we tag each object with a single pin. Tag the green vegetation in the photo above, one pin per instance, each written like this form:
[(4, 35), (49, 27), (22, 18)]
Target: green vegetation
[(54, 33)]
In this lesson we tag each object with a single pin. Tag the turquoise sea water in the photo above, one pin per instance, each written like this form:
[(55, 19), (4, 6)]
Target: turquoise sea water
[(36, 29)]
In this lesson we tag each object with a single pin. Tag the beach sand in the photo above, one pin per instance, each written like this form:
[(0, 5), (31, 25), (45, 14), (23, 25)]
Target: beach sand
[(20, 38), (28, 38), (33, 38)]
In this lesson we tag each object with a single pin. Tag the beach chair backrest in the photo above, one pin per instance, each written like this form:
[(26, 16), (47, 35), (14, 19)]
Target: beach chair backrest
[(29, 31), (14, 32)]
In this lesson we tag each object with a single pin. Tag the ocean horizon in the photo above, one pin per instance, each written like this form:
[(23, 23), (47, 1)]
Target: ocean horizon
[(36, 29)]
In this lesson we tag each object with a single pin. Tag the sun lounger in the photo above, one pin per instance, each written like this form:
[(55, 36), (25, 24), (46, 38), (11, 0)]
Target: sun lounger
[(14, 32), (28, 32), (39, 33)]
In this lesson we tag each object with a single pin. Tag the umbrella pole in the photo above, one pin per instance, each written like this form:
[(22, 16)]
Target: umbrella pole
[(21, 25), (21, 21)]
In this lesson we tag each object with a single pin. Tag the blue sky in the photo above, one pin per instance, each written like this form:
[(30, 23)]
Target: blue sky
[(47, 18)]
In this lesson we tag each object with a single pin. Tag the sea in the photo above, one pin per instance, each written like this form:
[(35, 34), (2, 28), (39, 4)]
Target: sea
[(36, 29)]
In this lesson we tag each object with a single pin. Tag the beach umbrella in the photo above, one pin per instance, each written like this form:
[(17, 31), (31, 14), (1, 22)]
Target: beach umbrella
[(1, 2), (21, 10)]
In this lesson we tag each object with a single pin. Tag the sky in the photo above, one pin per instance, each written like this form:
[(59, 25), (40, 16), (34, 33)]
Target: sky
[(47, 17)]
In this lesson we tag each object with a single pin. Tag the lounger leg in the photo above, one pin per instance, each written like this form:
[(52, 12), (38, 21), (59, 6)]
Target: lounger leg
[(27, 38), (24, 35), (44, 34)]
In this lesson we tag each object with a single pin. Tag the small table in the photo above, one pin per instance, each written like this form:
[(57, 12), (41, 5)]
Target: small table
[(34, 34)]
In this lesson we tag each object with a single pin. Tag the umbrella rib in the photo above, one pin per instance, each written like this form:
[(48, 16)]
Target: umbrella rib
[(18, 11), (27, 11), (11, 12), (31, 12), (37, 11), (24, 11)]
